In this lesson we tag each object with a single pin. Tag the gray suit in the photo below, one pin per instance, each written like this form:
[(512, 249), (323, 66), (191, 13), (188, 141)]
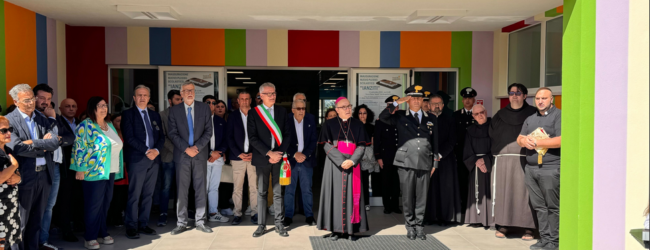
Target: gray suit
[(34, 190), (190, 169)]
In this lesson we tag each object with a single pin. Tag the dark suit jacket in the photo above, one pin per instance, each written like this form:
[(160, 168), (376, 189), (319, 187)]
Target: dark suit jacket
[(235, 135), (310, 140), (417, 141), (385, 142), (26, 154), (259, 136), (134, 133), (66, 143), (179, 133), (220, 126)]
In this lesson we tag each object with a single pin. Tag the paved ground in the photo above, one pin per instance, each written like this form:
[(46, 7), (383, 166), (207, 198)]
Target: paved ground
[(226, 236)]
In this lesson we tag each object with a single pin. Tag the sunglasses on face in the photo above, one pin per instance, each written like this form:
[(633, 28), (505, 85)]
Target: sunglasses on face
[(211, 103), (299, 109), (362, 113), (5, 130), (479, 113), (518, 93)]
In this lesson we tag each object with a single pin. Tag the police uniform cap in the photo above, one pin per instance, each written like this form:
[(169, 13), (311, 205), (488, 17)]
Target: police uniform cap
[(468, 92)]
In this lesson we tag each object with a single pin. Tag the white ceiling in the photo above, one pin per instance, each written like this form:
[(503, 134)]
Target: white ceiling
[(482, 15)]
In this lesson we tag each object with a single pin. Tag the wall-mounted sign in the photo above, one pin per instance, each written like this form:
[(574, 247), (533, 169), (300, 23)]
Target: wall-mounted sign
[(205, 82), (373, 89)]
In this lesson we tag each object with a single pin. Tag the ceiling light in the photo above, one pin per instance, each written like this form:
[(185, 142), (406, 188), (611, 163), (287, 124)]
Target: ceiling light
[(435, 16), (337, 79), (329, 83), (242, 78), (343, 73), (249, 83), (149, 12), (235, 72)]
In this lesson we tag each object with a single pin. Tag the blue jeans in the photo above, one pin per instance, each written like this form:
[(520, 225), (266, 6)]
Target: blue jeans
[(213, 181), (303, 174), (168, 170), (47, 216)]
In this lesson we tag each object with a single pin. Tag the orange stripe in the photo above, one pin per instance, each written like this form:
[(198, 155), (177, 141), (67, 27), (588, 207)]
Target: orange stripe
[(558, 101), (201, 47), (20, 46), (560, 9), (425, 49)]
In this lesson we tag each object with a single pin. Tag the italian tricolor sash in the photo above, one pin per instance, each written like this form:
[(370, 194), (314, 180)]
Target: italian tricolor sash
[(285, 168)]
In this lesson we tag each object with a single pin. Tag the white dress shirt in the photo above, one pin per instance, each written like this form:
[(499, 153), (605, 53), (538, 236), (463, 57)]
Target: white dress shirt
[(244, 118), (212, 138), (300, 133), (272, 117)]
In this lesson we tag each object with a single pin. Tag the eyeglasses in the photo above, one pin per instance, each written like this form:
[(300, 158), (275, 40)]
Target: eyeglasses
[(300, 109), (28, 101), (269, 94), (364, 113), (188, 91), (345, 107), (102, 106), (480, 113), (5, 130), (518, 93), (258, 97), (211, 103), (435, 104)]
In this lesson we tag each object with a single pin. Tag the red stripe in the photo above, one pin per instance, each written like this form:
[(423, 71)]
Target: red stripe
[(513, 27), (257, 109)]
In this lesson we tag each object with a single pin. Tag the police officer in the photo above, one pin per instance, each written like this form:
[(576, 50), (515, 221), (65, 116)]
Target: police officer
[(463, 119), (385, 145), (417, 143), (425, 102)]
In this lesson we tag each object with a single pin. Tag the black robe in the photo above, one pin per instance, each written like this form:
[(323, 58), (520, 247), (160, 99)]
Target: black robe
[(511, 206), (477, 142), (443, 201), (336, 199)]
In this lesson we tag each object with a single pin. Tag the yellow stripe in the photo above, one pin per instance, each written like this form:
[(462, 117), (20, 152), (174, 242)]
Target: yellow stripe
[(369, 47), (277, 48), (137, 40)]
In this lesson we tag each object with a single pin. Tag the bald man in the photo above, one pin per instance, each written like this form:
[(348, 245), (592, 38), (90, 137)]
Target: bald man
[(69, 204)]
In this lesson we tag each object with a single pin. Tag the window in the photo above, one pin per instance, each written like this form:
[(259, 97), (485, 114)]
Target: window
[(554, 52), (524, 49), (123, 82)]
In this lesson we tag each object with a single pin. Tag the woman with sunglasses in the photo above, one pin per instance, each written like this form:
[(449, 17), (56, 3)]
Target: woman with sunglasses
[(97, 158), (10, 178)]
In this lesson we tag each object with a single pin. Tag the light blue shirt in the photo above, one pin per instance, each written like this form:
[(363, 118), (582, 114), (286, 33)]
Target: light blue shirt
[(146, 140), (412, 112), (72, 124), (33, 133)]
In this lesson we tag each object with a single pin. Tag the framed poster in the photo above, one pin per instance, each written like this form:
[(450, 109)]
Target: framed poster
[(373, 89), (205, 82)]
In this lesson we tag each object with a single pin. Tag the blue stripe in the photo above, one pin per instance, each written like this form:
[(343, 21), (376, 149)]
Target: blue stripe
[(389, 49), (160, 46), (41, 48)]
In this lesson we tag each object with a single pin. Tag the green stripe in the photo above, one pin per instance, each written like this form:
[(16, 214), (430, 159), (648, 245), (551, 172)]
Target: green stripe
[(3, 65), (551, 13), (235, 47), (275, 125), (461, 58), (578, 67)]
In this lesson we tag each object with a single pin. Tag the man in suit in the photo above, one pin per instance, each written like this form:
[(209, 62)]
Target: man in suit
[(33, 141), (302, 158), (385, 147), (143, 141), (417, 156), (166, 173), (268, 153), (71, 202), (190, 129), (241, 157), (43, 94)]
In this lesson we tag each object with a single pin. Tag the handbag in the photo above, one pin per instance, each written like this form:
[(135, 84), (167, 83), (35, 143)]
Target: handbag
[(368, 162)]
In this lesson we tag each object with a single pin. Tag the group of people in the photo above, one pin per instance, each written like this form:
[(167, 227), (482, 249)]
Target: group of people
[(443, 163)]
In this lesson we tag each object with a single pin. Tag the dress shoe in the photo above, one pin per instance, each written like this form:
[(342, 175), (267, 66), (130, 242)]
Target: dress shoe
[(421, 235), (70, 237), (397, 211), (551, 246), (147, 231), (179, 230), (310, 221), (131, 233), (287, 221), (204, 228), (334, 237), (260, 231), (539, 245), (236, 220), (254, 219), (282, 231), (410, 235), (386, 211), (162, 220)]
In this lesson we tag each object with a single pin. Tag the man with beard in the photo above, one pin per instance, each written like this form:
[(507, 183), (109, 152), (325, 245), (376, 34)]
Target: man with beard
[(463, 118), (443, 202), (509, 194)]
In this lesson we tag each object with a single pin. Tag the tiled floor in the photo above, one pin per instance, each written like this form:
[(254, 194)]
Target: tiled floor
[(226, 236)]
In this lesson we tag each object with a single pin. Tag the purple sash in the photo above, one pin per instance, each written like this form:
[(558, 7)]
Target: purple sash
[(348, 148)]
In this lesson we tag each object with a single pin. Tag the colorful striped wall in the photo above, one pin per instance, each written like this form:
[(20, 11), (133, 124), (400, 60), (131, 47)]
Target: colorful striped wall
[(30, 51)]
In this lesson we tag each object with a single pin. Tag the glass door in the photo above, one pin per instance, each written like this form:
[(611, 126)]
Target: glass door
[(207, 81), (439, 81)]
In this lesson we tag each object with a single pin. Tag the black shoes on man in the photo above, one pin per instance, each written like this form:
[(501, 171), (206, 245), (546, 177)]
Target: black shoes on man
[(261, 229)]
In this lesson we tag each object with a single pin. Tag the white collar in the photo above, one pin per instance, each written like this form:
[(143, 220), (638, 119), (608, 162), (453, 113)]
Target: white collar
[(189, 106), (139, 109)]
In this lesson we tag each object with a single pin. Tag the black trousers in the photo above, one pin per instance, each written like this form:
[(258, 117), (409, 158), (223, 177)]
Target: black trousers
[(33, 200), (543, 185), (365, 183), (142, 183), (415, 186), (69, 204), (463, 179), (263, 173), (390, 187), (97, 196)]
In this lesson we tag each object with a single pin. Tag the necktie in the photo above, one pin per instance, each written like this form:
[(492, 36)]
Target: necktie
[(147, 125), (417, 117), (190, 126)]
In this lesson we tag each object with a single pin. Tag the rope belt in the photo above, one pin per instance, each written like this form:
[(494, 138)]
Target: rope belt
[(494, 181), (476, 186)]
